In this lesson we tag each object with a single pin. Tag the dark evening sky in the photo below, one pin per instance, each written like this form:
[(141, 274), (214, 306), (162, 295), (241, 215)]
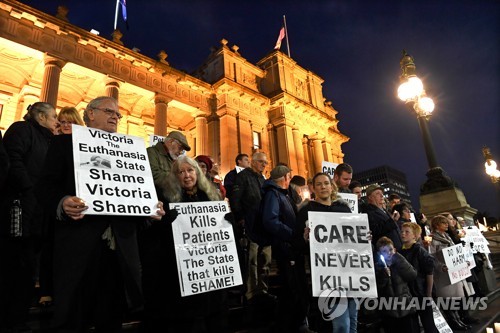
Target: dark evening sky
[(355, 46)]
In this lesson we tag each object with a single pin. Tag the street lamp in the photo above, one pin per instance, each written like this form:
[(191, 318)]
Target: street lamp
[(412, 92), (490, 166)]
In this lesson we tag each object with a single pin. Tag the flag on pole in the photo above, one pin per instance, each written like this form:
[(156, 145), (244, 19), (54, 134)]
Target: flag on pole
[(280, 38), (124, 9)]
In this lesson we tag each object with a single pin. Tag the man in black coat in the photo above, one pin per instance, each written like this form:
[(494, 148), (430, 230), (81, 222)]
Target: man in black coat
[(245, 202), (380, 221), (97, 272), (242, 162)]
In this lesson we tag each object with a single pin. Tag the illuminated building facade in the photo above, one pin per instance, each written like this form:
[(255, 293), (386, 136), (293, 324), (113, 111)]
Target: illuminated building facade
[(225, 107)]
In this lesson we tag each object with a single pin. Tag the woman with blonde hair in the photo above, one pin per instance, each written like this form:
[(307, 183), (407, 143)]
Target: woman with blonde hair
[(68, 116), (164, 308)]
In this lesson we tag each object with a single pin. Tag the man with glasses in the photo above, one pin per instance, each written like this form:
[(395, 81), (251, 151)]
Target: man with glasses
[(245, 203), (163, 154), (97, 271)]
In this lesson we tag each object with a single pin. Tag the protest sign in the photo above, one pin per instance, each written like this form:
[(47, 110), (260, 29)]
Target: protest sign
[(469, 256), (413, 218), (351, 199), (328, 168), (112, 173), (475, 236), (154, 139), (341, 255), (441, 324), (205, 247), (454, 258)]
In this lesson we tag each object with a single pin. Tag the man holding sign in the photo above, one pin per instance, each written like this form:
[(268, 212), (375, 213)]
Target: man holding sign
[(96, 260)]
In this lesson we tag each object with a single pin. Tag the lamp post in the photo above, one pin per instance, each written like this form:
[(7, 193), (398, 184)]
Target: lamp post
[(412, 92), (490, 166)]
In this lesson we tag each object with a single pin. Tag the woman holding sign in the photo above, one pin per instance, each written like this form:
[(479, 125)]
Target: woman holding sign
[(440, 241), (326, 200), (165, 309)]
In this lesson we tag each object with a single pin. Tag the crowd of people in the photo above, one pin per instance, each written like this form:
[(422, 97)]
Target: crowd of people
[(95, 269)]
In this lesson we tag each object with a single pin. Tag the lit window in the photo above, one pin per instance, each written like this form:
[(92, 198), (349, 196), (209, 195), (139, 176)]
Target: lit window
[(256, 140)]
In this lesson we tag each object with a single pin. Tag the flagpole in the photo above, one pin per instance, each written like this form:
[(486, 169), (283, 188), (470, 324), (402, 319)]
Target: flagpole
[(116, 12), (286, 35)]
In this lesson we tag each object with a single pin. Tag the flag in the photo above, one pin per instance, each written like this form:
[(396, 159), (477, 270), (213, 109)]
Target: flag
[(280, 38), (124, 9)]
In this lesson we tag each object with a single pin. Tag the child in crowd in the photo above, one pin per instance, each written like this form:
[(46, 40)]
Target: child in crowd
[(423, 263), (393, 273)]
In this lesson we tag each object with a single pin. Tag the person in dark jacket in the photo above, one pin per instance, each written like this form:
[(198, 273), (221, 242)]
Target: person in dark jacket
[(245, 203), (381, 223), (423, 263), (97, 271), (326, 201), (393, 275), (26, 143), (165, 310), (279, 220), (242, 162)]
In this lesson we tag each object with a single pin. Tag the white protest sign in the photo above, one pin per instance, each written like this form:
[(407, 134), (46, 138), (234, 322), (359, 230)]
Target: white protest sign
[(469, 256), (341, 256), (454, 258), (205, 247), (328, 168), (413, 218), (351, 199), (439, 321), (112, 173), (475, 236), (154, 139)]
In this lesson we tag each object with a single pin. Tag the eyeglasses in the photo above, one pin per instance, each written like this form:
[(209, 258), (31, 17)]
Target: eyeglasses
[(262, 162), (64, 123), (181, 146), (110, 112)]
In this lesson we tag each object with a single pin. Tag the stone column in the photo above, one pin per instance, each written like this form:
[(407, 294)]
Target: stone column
[(307, 153), (201, 135), (113, 89), (273, 155), (327, 151), (161, 106), (299, 152), (28, 100), (51, 76), (318, 155)]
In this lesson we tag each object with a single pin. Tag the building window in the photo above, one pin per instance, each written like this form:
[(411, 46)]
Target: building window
[(256, 140)]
